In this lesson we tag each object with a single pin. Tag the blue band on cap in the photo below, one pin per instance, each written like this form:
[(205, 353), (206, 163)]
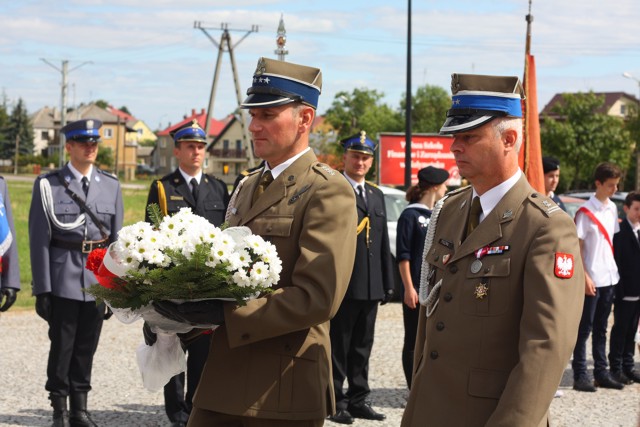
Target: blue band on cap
[(309, 94), (189, 132), (510, 105), (82, 132)]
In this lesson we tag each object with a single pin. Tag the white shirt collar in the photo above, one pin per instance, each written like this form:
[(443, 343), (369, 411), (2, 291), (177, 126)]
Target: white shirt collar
[(77, 174), (188, 177), (282, 166), (491, 198), (353, 183)]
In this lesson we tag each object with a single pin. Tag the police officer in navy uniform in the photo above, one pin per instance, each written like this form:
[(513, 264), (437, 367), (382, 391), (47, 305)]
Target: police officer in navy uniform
[(208, 197), (73, 210), (9, 268), (352, 328)]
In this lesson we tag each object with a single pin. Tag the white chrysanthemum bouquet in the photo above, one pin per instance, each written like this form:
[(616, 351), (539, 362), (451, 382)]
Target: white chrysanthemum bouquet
[(182, 257)]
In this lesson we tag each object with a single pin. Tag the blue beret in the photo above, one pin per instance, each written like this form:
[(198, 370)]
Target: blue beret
[(477, 99), (359, 143), (85, 130), (189, 132), (278, 83)]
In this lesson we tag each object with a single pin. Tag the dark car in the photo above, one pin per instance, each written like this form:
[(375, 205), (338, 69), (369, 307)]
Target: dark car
[(143, 169)]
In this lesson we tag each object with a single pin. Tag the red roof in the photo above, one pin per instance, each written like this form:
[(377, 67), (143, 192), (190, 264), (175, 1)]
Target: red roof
[(126, 117), (201, 117)]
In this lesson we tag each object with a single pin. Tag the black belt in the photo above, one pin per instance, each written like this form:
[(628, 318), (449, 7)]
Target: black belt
[(84, 246)]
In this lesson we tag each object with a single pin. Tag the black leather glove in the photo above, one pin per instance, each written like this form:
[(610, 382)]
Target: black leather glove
[(43, 305), (9, 295), (388, 296), (150, 337), (107, 313), (209, 312)]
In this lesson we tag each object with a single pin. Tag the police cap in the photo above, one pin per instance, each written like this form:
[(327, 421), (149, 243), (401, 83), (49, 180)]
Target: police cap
[(85, 130), (359, 143), (189, 132)]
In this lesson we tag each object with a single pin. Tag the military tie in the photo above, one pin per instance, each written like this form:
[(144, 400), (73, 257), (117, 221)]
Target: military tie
[(361, 195), (194, 189), (85, 185), (474, 215), (265, 180)]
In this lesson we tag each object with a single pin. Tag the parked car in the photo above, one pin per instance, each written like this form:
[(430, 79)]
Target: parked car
[(617, 198), (571, 203), (143, 169), (395, 203)]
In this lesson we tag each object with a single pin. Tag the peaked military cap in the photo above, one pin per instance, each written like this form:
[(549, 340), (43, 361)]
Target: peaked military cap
[(478, 99), (85, 130), (189, 132), (278, 83), (550, 164), (432, 175), (359, 143)]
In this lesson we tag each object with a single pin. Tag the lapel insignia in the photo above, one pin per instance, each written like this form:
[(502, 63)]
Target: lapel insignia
[(507, 214), (446, 243), (67, 178), (176, 180), (445, 258), (298, 193)]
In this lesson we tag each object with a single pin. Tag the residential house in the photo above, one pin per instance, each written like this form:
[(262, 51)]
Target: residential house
[(227, 156), (44, 130), (163, 159), (616, 104)]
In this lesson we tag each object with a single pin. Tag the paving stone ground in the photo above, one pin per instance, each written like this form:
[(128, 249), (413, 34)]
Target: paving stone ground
[(119, 399)]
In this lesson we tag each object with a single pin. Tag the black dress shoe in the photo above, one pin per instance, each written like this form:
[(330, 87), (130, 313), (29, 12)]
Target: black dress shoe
[(342, 417), (621, 378), (583, 384), (633, 376), (605, 381), (365, 411), (178, 424)]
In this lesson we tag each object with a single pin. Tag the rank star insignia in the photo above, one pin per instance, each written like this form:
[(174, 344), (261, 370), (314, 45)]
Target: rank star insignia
[(482, 290)]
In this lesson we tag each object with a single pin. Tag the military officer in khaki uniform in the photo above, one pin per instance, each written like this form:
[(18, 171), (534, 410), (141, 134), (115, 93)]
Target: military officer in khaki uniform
[(502, 282), (269, 363)]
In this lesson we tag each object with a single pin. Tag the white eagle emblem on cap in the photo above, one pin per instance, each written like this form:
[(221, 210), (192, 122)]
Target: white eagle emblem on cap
[(261, 68), (89, 124)]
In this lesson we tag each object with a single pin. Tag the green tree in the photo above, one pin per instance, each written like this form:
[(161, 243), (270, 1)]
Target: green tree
[(581, 137), (429, 108), (102, 103), (18, 128), (362, 109), (105, 157), (124, 109), (4, 123), (632, 125)]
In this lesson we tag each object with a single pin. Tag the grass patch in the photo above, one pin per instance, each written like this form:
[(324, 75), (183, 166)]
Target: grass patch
[(20, 192)]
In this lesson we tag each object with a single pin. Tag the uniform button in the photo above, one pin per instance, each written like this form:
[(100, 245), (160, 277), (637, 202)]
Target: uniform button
[(287, 347), (433, 355), (453, 269), (440, 326), (448, 297), (435, 258), (269, 228), (245, 336)]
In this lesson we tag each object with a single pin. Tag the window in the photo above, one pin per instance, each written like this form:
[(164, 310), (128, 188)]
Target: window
[(239, 146), (623, 109), (107, 133), (163, 143), (44, 134), (225, 144), (139, 132), (163, 161)]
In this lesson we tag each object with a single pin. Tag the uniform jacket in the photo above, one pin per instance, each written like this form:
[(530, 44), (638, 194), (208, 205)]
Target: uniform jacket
[(372, 272), (213, 196), (10, 276), (62, 271), (627, 254), (271, 358), (497, 360)]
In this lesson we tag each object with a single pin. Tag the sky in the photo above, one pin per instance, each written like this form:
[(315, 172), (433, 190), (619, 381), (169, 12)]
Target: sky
[(148, 55)]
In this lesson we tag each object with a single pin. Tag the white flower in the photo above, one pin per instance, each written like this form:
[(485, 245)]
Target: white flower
[(256, 244), (241, 279), (238, 260), (259, 272)]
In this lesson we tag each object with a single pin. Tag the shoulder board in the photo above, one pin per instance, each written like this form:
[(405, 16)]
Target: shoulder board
[(373, 184), (49, 174), (251, 172), (459, 190), (212, 177), (324, 170), (109, 174), (544, 203)]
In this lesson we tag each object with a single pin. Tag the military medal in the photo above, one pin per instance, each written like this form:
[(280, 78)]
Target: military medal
[(476, 266), (482, 290)]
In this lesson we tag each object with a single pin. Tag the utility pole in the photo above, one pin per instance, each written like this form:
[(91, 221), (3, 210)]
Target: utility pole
[(64, 70), (281, 40), (225, 44)]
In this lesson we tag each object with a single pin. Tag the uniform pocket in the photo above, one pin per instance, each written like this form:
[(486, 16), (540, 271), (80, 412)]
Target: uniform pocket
[(488, 291), (273, 225), (486, 383)]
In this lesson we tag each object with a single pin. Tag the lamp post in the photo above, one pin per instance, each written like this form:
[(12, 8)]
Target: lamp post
[(628, 75)]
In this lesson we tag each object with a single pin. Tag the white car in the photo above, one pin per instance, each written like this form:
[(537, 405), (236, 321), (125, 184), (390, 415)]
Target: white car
[(395, 203)]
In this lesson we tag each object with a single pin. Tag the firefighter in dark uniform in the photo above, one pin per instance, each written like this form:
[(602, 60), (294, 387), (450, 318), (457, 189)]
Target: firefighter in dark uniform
[(208, 197), (371, 283), (73, 210)]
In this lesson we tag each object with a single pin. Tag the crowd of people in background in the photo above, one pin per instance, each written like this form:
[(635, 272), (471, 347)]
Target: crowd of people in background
[(484, 305)]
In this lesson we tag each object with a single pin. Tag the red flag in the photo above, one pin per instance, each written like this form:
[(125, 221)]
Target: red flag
[(530, 156)]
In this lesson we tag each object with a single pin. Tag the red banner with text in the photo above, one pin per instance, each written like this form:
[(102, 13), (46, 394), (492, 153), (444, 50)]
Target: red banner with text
[(426, 150)]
